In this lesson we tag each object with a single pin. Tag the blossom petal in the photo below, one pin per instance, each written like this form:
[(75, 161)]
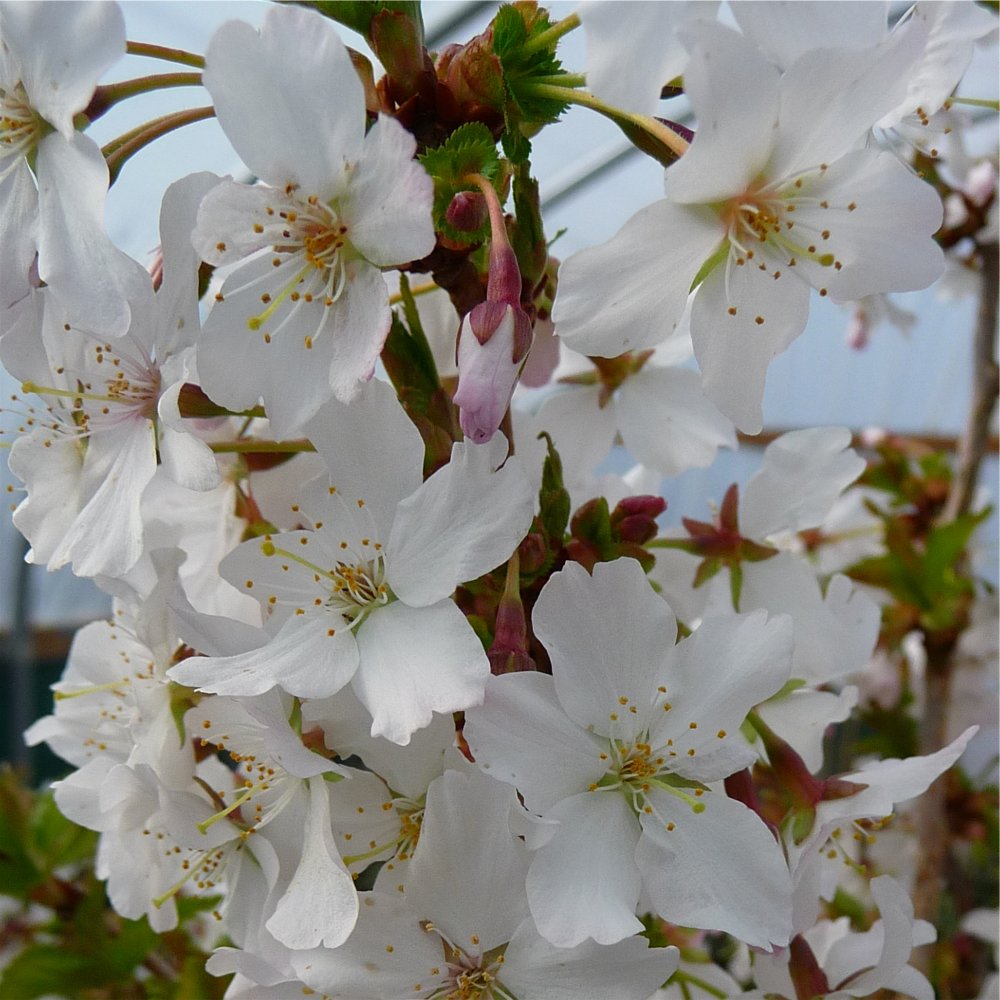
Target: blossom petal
[(605, 663), (387, 207), (92, 279), (348, 435), (258, 81), (735, 124), (521, 723), (831, 97), (177, 297), (633, 49), (716, 675), (630, 292), (667, 422), (720, 869), (19, 209), (784, 31), (415, 662), (302, 659), (801, 477), (440, 538), (584, 882), (628, 970), (389, 952), (835, 633), (62, 50), (320, 905), (741, 320), (482, 908), (880, 221), (106, 536)]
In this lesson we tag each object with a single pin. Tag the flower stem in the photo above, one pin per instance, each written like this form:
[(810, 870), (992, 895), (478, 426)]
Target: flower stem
[(552, 34), (110, 94), (262, 447), (648, 134), (415, 290), (562, 80), (162, 52), (119, 150), (683, 979)]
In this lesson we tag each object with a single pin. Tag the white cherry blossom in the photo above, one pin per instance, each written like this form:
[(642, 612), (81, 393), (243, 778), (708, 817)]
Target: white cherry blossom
[(619, 746), (308, 310), (364, 596), (773, 197), (53, 179)]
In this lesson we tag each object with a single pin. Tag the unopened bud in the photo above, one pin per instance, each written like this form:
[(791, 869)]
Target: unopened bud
[(467, 212), (487, 371), (634, 518)]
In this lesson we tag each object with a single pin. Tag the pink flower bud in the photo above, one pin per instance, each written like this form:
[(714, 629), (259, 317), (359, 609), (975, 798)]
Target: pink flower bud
[(467, 212), (489, 359)]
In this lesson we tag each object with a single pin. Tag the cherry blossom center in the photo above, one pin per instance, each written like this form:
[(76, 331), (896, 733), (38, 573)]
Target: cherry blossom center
[(311, 249), (20, 128)]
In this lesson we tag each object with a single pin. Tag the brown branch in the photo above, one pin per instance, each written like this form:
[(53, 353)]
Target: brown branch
[(986, 382), (932, 815)]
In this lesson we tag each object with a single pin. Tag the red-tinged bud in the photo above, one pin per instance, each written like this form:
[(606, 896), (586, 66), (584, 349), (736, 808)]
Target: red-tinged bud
[(487, 368), (489, 361), (838, 788), (509, 652), (533, 552), (740, 786), (467, 212), (471, 78), (807, 976), (634, 518), (585, 553)]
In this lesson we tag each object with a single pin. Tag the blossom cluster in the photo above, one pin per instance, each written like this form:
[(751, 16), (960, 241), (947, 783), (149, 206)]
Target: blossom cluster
[(429, 705)]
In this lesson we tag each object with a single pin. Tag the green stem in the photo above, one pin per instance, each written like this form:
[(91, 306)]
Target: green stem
[(649, 135), (161, 52), (562, 80), (497, 225), (976, 102), (262, 447), (415, 290), (119, 150), (683, 979), (552, 34), (110, 94)]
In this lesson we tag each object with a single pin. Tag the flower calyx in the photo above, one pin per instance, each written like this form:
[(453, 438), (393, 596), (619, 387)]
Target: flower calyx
[(720, 544)]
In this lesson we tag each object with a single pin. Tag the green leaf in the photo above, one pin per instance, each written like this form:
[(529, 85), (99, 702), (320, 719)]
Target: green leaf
[(513, 28), (19, 869), (947, 542), (59, 841), (44, 969), (470, 149)]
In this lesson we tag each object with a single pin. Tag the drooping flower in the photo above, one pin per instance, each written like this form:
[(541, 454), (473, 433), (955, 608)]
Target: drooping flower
[(308, 310)]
